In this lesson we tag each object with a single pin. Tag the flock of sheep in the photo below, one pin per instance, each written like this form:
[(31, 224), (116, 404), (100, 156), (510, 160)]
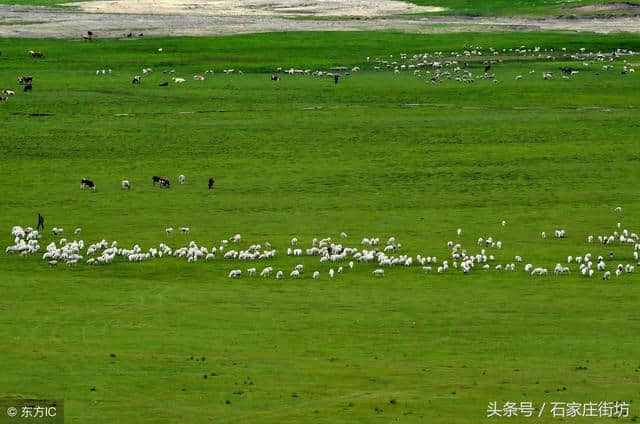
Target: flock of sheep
[(337, 255), (439, 66)]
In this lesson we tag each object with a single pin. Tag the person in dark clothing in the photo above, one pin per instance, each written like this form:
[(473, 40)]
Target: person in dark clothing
[(335, 78), (40, 221), (210, 183)]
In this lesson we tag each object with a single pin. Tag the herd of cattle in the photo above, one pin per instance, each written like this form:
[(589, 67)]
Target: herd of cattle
[(161, 181)]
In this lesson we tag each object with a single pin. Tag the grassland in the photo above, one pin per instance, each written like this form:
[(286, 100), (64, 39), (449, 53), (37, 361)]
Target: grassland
[(309, 158)]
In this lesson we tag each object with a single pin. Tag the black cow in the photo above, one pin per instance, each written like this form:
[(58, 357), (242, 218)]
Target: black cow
[(136, 79), (164, 182), (211, 183), (87, 183)]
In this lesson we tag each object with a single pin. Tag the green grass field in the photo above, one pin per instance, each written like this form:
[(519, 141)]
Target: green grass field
[(304, 157)]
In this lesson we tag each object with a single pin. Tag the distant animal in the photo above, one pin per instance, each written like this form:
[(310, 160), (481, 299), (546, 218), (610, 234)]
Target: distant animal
[(36, 54), (28, 88), (125, 184), (88, 36), (487, 68), (25, 80), (163, 84), (136, 79), (567, 70), (87, 183), (335, 78), (130, 35), (181, 179), (275, 78), (9, 93), (164, 182), (211, 183), (3, 98)]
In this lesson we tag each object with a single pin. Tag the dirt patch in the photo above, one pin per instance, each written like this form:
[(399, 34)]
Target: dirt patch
[(622, 6), (71, 23), (222, 8)]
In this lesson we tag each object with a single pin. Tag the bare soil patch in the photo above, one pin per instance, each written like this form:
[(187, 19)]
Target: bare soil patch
[(623, 6)]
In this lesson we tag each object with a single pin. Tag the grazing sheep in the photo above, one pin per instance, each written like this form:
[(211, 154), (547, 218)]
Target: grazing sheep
[(184, 230), (331, 273), (77, 231), (125, 184), (279, 275), (236, 273), (295, 274), (181, 179), (169, 230), (251, 271), (378, 272), (316, 275)]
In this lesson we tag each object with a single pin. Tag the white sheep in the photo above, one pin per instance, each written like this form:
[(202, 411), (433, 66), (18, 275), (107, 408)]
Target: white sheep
[(168, 230), (316, 275), (251, 271), (235, 273), (378, 272), (125, 184), (181, 179), (184, 230)]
